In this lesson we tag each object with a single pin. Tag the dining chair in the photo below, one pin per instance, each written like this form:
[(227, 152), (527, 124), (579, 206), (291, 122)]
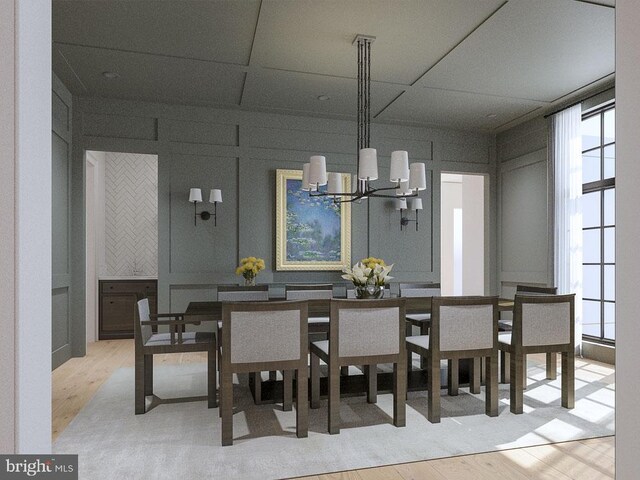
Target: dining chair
[(264, 336), (148, 344), (507, 325), (418, 317), (362, 332), (541, 324), (461, 327)]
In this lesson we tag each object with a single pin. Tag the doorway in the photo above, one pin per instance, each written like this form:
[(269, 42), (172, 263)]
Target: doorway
[(462, 233)]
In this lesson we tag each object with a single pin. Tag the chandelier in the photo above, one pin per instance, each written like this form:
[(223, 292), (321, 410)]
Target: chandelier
[(408, 179)]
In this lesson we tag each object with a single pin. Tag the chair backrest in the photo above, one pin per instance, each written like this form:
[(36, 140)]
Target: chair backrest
[(143, 332), (419, 290), (463, 323), (264, 332), (351, 292), (308, 292), (360, 328), (535, 290), (237, 293), (540, 320)]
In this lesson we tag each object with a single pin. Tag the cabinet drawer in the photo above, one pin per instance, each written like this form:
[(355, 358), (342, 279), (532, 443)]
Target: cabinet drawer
[(128, 287), (118, 312)]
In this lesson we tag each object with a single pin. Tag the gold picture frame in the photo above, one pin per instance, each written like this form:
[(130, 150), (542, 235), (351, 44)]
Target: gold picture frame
[(302, 220)]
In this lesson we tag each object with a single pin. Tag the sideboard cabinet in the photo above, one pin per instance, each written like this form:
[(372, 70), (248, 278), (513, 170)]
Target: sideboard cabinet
[(118, 304)]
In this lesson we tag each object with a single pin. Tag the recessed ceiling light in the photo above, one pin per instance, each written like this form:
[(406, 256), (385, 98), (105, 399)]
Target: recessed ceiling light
[(323, 98), (110, 75), (492, 115)]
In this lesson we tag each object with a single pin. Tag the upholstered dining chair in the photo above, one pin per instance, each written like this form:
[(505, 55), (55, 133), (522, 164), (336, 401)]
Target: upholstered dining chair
[(507, 325), (541, 324), (461, 327), (148, 344), (263, 336), (362, 332), (416, 317)]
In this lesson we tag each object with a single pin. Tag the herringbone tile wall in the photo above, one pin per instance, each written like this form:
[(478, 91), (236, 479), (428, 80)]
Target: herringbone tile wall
[(131, 214)]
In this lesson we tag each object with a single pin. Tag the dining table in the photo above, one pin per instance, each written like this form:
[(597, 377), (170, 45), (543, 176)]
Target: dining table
[(268, 391)]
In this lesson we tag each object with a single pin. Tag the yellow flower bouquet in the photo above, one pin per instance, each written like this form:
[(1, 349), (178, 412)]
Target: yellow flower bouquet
[(249, 268)]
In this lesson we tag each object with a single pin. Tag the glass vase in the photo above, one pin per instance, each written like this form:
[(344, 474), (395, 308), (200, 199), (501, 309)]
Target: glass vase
[(370, 290), (250, 281)]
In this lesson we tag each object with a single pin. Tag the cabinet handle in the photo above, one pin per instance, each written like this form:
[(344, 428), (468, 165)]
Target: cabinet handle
[(111, 302)]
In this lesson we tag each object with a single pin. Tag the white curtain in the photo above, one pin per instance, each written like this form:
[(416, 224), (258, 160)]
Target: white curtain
[(566, 169)]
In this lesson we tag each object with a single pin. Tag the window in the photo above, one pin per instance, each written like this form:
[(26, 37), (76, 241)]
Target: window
[(598, 224)]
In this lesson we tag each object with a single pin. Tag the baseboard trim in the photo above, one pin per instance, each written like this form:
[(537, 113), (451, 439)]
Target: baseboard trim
[(599, 352)]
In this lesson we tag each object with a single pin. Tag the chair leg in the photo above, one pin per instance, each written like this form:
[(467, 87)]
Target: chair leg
[(140, 384), (273, 375), (371, 374), (211, 377), (524, 372), (302, 403), (399, 393), (516, 388), (226, 407), (287, 387), (408, 333), (315, 381), (552, 366), (334, 398), (505, 370), (568, 379), (256, 379), (148, 374), (452, 376), (424, 330), (491, 388), (433, 385), (344, 371), (475, 375)]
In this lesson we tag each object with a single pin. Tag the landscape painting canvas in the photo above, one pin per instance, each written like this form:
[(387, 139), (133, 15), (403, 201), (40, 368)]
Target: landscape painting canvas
[(312, 233)]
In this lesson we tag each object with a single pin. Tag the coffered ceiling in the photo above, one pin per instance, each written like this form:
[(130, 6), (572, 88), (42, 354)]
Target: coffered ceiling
[(481, 65)]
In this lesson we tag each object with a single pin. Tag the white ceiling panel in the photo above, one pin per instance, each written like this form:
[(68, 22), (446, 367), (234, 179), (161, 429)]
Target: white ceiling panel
[(299, 92), (411, 35), (430, 106), (154, 78), (532, 49), (210, 30)]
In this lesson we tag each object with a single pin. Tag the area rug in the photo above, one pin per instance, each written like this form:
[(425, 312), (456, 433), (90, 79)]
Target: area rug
[(182, 440)]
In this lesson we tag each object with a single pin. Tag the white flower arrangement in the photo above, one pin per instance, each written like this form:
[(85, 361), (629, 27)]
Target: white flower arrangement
[(368, 272)]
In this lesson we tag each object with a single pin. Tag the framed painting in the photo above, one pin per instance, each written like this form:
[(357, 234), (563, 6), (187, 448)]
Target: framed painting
[(312, 233)]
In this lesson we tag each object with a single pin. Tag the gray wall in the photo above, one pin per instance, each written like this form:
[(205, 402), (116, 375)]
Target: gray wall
[(239, 152), (524, 226)]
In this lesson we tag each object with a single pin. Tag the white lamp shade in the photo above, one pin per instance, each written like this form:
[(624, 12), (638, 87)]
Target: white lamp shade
[(318, 170), (404, 189), (399, 166), (195, 195), (415, 204), (305, 176), (417, 176), (215, 196), (401, 203), (368, 169), (334, 183)]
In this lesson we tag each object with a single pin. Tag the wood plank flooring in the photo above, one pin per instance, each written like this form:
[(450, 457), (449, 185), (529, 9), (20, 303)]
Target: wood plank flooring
[(75, 382)]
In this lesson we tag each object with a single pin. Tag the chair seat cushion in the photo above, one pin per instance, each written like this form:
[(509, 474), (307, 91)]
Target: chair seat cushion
[(318, 319), (188, 338), (322, 345), (421, 341), (419, 317), (504, 338)]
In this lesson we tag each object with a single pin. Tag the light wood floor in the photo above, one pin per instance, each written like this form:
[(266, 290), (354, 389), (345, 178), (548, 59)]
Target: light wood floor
[(76, 381)]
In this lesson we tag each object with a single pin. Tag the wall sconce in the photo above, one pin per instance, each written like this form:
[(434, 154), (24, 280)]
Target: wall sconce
[(215, 197), (414, 204)]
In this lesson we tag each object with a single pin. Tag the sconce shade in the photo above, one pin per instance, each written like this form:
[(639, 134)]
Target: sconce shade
[(368, 169), (215, 196), (318, 170), (401, 203), (305, 177), (399, 166), (334, 183), (415, 204), (417, 176), (195, 195), (404, 189)]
